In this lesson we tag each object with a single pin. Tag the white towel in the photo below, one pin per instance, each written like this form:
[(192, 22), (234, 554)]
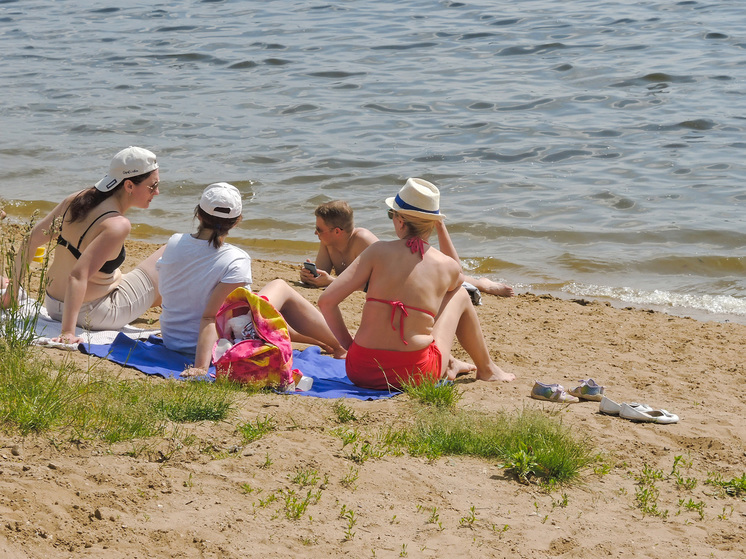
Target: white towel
[(47, 328)]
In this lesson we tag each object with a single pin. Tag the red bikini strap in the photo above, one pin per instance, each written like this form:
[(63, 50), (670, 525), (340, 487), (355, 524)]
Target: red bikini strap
[(395, 305), (417, 244), (402, 307)]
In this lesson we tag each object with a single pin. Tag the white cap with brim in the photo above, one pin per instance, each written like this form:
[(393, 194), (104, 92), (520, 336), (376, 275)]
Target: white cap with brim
[(221, 200), (417, 198), (128, 163)]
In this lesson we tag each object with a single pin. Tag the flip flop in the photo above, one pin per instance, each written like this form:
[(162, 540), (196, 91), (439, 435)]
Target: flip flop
[(552, 393), (649, 416), (588, 390), (610, 407)]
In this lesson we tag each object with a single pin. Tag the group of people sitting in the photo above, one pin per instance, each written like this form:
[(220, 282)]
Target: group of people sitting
[(414, 309)]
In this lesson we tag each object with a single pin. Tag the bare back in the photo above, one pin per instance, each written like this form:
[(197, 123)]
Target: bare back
[(419, 283), (106, 234)]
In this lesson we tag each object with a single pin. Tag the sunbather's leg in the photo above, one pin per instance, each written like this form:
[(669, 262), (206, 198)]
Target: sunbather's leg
[(305, 321), (492, 287), (458, 318), (148, 266)]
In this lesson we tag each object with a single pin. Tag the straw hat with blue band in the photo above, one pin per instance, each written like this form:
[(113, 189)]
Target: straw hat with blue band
[(417, 198)]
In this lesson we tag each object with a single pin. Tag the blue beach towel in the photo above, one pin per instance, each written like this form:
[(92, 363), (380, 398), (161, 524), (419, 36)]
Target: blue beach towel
[(153, 358)]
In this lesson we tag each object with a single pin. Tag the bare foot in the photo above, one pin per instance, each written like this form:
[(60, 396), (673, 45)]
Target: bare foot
[(193, 372), (501, 290), (457, 367), (492, 287), (338, 352), (495, 373)]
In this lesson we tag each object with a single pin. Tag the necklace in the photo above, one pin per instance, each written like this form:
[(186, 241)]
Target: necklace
[(344, 250)]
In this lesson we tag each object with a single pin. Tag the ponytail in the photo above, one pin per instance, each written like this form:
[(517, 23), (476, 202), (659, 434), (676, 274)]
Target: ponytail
[(218, 226)]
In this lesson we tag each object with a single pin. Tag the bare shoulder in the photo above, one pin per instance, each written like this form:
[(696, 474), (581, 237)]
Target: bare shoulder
[(62, 206), (361, 239), (445, 262), (376, 251), (363, 235), (116, 225)]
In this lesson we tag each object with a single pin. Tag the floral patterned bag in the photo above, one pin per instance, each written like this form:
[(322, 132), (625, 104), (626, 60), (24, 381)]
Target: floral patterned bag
[(265, 360)]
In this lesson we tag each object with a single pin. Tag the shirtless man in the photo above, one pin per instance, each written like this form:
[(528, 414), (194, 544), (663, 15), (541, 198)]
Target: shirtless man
[(340, 242)]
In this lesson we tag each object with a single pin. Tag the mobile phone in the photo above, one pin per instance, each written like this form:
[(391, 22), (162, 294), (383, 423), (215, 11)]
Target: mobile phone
[(310, 266)]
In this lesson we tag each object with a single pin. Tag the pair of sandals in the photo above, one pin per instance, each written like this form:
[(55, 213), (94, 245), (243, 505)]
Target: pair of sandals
[(587, 390), (590, 390), (641, 413)]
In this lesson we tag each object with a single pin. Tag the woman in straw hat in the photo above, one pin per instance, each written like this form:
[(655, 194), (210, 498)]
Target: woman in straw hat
[(198, 271), (414, 306), (86, 287)]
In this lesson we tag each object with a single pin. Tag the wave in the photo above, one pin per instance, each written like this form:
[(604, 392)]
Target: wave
[(714, 304)]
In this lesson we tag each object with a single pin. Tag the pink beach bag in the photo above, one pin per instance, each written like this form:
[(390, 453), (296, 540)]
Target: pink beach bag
[(266, 361)]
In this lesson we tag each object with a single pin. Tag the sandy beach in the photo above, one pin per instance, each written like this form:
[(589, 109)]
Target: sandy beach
[(91, 499)]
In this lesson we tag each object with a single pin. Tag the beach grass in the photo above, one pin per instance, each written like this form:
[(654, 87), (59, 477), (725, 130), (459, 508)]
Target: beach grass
[(439, 394), (38, 395), (17, 324), (35, 396), (530, 444)]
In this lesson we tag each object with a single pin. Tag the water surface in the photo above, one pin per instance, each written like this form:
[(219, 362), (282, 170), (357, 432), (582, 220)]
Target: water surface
[(584, 148)]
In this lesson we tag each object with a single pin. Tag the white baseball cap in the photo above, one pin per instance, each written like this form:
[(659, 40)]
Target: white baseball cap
[(129, 162), (221, 200)]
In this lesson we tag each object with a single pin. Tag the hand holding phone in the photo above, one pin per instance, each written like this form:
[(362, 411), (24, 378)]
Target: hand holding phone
[(311, 267)]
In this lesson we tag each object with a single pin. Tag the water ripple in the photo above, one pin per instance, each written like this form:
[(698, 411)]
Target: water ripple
[(409, 46), (538, 49), (568, 139)]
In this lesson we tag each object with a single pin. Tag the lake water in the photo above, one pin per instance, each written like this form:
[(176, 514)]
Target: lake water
[(587, 148)]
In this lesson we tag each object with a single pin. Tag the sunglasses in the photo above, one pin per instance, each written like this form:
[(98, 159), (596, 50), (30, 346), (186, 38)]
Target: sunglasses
[(154, 186), (391, 214), (321, 231)]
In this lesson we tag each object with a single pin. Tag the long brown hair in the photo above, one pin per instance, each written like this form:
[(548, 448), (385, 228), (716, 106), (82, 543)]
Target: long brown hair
[(84, 202)]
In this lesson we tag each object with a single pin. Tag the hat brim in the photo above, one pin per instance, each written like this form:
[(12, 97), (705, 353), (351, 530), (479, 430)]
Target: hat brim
[(391, 203), (109, 182), (106, 183)]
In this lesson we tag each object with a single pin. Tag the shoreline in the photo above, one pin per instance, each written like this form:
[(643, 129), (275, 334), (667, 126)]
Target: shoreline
[(700, 305), (700, 315)]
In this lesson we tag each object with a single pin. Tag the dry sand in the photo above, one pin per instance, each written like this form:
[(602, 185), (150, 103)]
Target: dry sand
[(91, 499)]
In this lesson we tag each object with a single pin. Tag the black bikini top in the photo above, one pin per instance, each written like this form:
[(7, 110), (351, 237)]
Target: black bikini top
[(108, 267)]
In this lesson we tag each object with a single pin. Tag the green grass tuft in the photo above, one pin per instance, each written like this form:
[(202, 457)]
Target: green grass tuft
[(529, 444), (192, 401), (438, 394)]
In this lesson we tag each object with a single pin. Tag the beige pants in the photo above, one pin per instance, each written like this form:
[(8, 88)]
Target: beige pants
[(132, 297)]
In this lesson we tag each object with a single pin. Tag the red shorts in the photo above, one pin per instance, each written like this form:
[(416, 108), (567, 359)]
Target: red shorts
[(383, 369)]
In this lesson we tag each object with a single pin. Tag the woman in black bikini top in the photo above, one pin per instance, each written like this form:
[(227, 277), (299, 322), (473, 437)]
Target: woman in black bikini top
[(110, 265), (77, 294)]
